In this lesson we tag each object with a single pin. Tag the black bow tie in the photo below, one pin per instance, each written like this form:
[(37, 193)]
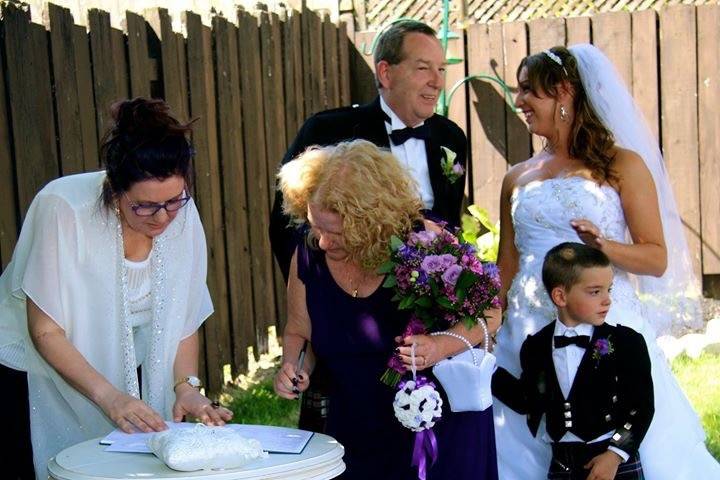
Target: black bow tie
[(398, 137), (582, 341)]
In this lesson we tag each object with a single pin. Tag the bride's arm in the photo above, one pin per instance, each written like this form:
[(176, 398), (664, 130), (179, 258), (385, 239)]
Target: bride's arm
[(646, 255), (507, 254)]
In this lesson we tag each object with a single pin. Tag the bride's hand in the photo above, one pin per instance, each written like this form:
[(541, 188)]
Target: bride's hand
[(189, 401), (588, 233), (427, 351)]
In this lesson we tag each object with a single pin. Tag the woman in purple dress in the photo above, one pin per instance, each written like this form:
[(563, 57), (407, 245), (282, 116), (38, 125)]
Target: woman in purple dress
[(354, 197)]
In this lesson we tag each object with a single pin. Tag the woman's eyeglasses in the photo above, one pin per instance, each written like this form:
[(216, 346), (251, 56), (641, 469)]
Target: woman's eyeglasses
[(150, 209)]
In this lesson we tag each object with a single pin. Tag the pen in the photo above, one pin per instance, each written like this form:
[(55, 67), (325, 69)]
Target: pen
[(301, 361)]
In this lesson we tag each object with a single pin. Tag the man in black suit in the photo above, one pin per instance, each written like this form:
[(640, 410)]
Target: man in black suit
[(410, 69), (590, 380), (410, 74)]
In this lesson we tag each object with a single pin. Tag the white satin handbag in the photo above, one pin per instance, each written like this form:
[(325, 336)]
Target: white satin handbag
[(204, 448), (467, 376)]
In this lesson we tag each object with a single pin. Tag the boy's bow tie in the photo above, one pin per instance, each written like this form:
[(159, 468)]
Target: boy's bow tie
[(398, 137), (581, 341)]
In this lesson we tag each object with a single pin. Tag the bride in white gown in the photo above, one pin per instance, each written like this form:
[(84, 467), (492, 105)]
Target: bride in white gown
[(600, 179)]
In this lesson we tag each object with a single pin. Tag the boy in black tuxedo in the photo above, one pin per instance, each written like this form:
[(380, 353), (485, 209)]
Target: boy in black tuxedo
[(589, 379)]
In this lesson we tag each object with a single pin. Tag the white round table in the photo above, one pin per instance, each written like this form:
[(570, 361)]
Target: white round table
[(320, 460)]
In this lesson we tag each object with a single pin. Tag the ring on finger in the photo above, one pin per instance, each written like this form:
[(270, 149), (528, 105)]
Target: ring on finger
[(215, 404)]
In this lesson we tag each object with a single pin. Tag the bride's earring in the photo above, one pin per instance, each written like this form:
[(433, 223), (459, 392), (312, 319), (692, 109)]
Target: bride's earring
[(563, 113)]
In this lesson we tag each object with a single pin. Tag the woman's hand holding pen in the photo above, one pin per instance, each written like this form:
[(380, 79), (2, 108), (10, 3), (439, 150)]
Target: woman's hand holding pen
[(290, 381)]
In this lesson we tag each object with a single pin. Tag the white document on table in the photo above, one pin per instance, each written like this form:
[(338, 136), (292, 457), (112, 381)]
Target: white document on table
[(272, 439)]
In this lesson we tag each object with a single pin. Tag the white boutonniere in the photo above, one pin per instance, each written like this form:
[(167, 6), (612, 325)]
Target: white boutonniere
[(452, 171)]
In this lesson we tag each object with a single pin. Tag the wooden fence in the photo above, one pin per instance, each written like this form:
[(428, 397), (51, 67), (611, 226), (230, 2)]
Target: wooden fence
[(251, 82), (669, 59)]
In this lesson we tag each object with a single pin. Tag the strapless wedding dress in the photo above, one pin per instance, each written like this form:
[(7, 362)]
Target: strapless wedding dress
[(673, 448)]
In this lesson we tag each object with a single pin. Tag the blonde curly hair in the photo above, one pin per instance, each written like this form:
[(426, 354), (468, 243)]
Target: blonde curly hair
[(365, 185)]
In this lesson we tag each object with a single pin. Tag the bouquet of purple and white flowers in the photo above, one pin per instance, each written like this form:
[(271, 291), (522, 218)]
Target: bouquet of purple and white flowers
[(442, 282)]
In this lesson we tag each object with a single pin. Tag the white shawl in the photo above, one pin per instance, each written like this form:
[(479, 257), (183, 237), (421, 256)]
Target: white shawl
[(67, 260)]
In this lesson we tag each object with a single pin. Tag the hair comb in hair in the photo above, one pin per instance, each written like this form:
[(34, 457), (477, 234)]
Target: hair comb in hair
[(555, 58)]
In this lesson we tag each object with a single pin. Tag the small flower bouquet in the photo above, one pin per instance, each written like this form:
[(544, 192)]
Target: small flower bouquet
[(441, 281), (602, 348)]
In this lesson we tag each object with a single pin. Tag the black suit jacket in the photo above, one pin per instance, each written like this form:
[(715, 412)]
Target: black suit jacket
[(367, 122), (614, 392)]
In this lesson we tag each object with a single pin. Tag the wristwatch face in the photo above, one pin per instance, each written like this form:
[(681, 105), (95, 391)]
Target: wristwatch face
[(193, 381)]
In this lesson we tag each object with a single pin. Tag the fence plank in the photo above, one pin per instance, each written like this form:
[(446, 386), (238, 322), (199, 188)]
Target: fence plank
[(679, 115), (362, 69), (208, 189), (645, 67), (293, 77), (315, 75), (330, 60), (276, 140), (344, 60), (8, 187), (457, 109), (172, 57), (122, 82), (578, 30), (234, 199), (60, 23), (487, 116), (31, 104), (104, 69), (708, 24), (544, 33), (139, 58), (86, 110), (516, 48), (251, 82), (611, 34)]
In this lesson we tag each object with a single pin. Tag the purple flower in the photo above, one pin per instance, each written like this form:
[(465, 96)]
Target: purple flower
[(458, 169), (437, 263), (424, 237), (602, 346), (451, 275)]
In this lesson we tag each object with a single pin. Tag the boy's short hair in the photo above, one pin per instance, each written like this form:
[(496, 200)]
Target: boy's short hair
[(564, 263)]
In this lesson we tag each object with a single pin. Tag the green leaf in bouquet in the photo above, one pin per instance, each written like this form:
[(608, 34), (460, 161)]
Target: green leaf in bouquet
[(390, 281), (396, 298), (445, 303), (395, 243), (466, 280), (406, 302), (386, 267), (390, 377), (460, 293), (424, 302), (469, 322), (434, 287)]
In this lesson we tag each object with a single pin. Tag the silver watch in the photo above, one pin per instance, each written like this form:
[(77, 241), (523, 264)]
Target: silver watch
[(191, 380)]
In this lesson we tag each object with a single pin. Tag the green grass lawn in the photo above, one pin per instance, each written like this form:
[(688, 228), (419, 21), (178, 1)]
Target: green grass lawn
[(699, 378)]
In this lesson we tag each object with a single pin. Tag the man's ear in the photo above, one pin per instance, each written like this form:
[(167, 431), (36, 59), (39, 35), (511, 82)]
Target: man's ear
[(559, 296), (382, 70)]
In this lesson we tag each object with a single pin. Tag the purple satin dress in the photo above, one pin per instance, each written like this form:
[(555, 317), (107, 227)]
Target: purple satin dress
[(354, 338)]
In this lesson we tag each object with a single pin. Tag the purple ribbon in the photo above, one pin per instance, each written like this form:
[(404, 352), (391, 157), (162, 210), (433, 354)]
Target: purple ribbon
[(425, 445), (420, 381)]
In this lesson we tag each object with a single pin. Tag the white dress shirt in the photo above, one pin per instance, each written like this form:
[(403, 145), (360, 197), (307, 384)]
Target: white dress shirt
[(412, 155), (566, 361)]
